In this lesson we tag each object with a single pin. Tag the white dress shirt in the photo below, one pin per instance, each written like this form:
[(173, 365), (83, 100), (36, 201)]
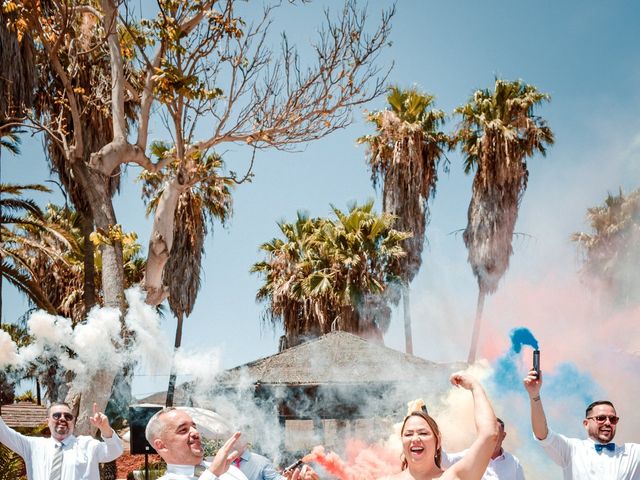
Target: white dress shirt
[(81, 455), (580, 460), (503, 467), (186, 472)]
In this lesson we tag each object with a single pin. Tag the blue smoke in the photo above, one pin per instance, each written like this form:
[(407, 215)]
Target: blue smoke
[(506, 376), (522, 336)]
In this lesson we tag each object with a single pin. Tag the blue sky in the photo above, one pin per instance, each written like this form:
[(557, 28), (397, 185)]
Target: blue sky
[(584, 54)]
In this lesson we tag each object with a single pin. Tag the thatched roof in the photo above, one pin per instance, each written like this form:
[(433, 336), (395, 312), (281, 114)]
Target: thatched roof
[(24, 415), (337, 358)]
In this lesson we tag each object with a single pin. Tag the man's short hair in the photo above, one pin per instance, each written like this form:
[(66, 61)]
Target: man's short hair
[(596, 403), (155, 426), (58, 404), (499, 420)]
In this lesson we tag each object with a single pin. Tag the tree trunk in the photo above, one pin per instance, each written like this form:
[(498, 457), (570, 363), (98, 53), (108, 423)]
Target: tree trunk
[(1, 276), (406, 306), (172, 377), (96, 188), (475, 336), (161, 241), (89, 264)]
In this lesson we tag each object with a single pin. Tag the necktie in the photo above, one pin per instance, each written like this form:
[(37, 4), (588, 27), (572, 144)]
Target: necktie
[(199, 470), (237, 462), (56, 466), (605, 446)]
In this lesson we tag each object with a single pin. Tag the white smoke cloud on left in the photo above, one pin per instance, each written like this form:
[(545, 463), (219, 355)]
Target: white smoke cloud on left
[(93, 345)]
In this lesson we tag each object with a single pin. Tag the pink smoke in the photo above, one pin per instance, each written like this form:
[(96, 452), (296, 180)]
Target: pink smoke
[(364, 462)]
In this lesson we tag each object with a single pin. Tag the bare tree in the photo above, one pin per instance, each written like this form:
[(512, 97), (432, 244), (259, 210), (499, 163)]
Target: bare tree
[(196, 62)]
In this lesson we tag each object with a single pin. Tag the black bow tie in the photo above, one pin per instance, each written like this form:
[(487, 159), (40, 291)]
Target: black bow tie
[(605, 446)]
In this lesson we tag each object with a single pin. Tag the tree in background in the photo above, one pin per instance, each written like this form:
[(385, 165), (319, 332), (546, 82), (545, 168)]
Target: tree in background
[(17, 72), (404, 154), (42, 256), (197, 208), (18, 213), (498, 132), (611, 252), (195, 63), (332, 274)]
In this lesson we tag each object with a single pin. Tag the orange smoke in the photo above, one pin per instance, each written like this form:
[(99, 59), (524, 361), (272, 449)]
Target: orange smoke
[(364, 462)]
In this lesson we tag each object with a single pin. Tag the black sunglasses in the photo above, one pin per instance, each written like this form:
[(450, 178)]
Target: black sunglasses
[(603, 418), (58, 415)]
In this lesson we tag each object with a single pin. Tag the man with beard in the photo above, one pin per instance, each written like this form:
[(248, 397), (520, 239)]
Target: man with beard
[(597, 457), (64, 456)]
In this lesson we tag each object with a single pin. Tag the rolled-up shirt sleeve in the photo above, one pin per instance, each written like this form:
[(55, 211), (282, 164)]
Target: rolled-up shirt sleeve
[(109, 449), (557, 447)]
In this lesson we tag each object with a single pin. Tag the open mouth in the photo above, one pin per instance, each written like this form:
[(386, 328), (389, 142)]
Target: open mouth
[(417, 450)]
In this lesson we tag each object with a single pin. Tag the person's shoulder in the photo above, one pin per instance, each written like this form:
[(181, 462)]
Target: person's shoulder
[(510, 456), (555, 436), (256, 458)]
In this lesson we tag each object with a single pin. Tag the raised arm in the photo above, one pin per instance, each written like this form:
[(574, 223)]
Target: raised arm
[(533, 384), (111, 448), (473, 465), (15, 441)]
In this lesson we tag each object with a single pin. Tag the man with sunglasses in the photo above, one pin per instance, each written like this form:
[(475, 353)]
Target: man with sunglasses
[(64, 456), (597, 457)]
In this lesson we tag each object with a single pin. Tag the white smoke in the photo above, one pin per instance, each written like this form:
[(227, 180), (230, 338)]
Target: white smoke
[(151, 345), (8, 351), (97, 344)]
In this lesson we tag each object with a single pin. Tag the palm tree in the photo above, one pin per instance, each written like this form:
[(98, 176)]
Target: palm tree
[(9, 140), (17, 71), (404, 155), (332, 274), (498, 133), (21, 213), (610, 253), (198, 206)]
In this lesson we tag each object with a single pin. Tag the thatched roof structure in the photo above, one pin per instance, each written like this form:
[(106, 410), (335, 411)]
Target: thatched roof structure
[(337, 358)]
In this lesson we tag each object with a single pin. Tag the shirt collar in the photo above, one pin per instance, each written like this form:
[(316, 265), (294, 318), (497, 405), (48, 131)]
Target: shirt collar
[(187, 470), (66, 442), (593, 442), (499, 457)]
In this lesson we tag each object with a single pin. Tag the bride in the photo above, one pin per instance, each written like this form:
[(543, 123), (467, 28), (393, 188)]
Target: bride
[(422, 443)]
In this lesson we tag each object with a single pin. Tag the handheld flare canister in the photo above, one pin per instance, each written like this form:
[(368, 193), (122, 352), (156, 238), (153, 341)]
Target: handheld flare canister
[(536, 362), (294, 465)]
